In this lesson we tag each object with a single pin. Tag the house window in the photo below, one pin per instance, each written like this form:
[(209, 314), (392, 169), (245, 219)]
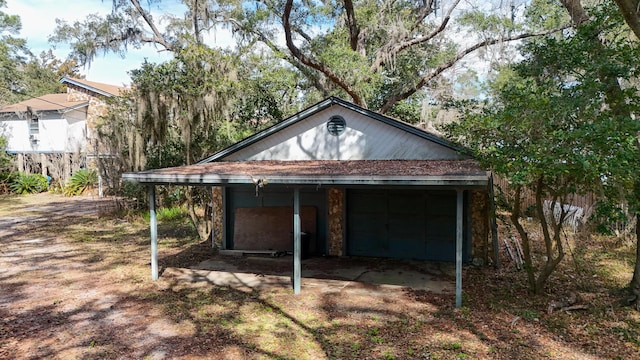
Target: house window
[(34, 126), (336, 125)]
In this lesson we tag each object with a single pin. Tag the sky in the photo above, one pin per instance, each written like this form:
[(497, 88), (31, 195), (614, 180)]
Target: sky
[(38, 23)]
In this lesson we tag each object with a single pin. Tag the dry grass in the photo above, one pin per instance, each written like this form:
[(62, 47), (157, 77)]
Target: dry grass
[(78, 286)]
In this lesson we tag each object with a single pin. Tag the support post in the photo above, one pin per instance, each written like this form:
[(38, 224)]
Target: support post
[(43, 164), (213, 218), (459, 216), (66, 167), (297, 242), (224, 244), (153, 227), (20, 162)]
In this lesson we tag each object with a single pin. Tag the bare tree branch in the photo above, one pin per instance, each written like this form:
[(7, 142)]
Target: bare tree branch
[(576, 11), (630, 10), (425, 10), (313, 63), (352, 25), (391, 50), (393, 99), (157, 35), (282, 54)]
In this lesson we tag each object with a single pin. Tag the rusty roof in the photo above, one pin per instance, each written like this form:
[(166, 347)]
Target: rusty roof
[(49, 102), (319, 172)]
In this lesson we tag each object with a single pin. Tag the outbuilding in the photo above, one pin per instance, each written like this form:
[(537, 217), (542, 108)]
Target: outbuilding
[(339, 180)]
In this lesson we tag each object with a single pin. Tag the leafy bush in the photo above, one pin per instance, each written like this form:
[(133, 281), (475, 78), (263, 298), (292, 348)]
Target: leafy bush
[(29, 184), (134, 191), (80, 181), (169, 214), (173, 214)]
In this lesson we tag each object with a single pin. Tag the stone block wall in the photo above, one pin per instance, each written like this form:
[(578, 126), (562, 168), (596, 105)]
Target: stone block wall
[(217, 226), (97, 108), (335, 219), (479, 201), (97, 105)]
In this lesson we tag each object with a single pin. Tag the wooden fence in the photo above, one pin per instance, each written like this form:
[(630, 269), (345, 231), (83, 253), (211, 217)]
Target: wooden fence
[(586, 201)]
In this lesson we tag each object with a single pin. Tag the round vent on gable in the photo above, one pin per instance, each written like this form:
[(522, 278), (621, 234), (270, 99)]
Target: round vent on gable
[(336, 125)]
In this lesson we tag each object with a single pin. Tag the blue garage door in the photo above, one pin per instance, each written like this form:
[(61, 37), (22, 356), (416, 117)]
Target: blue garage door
[(405, 224)]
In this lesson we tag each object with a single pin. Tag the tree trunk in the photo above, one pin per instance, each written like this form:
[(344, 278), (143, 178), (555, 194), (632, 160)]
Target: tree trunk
[(526, 245), (630, 10), (202, 224), (616, 100), (634, 285)]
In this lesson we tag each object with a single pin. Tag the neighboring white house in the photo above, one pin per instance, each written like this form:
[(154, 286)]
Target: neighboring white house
[(52, 134)]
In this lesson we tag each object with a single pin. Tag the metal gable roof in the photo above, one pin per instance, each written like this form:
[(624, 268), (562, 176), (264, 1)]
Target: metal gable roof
[(314, 109)]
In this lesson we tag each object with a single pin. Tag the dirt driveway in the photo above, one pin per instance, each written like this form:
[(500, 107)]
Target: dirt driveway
[(69, 293), (76, 285)]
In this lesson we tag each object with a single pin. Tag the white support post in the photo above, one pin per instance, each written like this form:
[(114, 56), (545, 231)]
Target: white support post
[(43, 164), (459, 215), (297, 242), (153, 227), (223, 245)]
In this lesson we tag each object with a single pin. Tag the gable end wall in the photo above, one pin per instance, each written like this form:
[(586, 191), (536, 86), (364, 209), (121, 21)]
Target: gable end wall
[(97, 105), (364, 139)]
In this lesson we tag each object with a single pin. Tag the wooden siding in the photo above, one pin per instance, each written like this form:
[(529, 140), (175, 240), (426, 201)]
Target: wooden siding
[(364, 139)]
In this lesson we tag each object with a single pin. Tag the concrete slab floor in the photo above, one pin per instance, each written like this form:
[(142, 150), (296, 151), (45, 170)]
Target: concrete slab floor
[(331, 273)]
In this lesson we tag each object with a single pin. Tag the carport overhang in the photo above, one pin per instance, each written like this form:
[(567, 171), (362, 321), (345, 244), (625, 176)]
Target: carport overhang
[(458, 175)]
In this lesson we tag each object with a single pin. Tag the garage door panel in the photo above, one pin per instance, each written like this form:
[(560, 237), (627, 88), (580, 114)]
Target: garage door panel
[(367, 223), (397, 216), (441, 225), (370, 202), (402, 204), (402, 224)]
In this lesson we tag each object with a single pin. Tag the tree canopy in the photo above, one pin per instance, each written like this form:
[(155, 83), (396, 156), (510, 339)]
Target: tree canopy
[(22, 74), (382, 55), (554, 124)]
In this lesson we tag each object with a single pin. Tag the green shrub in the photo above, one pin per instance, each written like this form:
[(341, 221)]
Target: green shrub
[(80, 181), (172, 214), (169, 214), (134, 191), (29, 184)]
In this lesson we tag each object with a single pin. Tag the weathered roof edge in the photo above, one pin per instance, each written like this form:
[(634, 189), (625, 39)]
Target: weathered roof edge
[(80, 105), (324, 104), (86, 84), (467, 181), (68, 106)]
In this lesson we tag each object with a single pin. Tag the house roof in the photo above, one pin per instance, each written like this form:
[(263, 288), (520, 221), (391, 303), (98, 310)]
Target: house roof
[(325, 104), (454, 173), (214, 170), (99, 88), (49, 102)]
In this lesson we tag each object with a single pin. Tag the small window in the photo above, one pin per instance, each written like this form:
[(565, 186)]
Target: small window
[(34, 126), (336, 125)]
